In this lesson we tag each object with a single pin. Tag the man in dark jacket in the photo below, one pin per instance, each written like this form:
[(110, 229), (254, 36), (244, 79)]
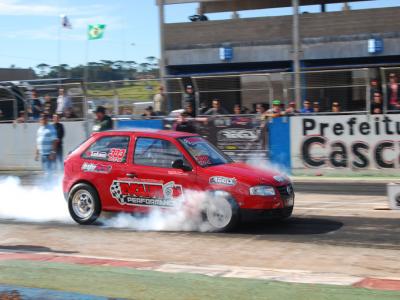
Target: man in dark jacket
[(185, 125), (60, 135), (103, 122)]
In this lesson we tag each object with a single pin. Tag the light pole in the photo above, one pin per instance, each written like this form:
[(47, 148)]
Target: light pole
[(296, 52)]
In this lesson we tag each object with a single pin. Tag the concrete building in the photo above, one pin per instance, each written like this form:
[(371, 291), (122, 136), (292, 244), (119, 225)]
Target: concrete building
[(10, 74), (328, 40)]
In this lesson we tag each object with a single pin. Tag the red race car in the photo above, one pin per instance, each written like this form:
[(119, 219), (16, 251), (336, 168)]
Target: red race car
[(135, 171)]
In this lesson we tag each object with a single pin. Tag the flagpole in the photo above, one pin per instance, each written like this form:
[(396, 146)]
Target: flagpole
[(86, 69), (59, 46)]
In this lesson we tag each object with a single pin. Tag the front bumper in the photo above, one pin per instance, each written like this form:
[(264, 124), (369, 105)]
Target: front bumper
[(265, 214)]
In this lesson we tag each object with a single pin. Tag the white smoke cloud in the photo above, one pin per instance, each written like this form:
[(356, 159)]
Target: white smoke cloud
[(32, 203), (185, 216), (45, 203)]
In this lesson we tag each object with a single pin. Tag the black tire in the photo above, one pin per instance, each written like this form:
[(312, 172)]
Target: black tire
[(213, 213), (84, 214)]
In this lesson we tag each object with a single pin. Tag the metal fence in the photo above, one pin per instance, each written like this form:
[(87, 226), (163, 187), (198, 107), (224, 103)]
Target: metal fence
[(349, 87)]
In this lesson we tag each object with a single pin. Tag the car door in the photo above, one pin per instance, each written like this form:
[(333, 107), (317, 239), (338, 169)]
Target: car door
[(151, 180), (105, 160)]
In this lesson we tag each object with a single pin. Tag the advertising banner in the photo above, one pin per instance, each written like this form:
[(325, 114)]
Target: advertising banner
[(353, 142), (242, 137)]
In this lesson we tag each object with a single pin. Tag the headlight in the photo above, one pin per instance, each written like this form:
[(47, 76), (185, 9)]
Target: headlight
[(262, 190)]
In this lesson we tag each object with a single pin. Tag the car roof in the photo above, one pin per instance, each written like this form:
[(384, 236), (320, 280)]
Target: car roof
[(148, 132)]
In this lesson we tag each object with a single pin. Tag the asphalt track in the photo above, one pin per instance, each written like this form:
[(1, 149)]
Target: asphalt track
[(341, 187)]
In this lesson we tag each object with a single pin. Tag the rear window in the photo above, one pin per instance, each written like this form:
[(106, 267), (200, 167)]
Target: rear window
[(108, 148)]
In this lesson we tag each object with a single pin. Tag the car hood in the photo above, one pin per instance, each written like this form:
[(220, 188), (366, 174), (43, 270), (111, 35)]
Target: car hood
[(248, 174)]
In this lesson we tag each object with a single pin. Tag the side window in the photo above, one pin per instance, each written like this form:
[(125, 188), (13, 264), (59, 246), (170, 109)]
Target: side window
[(156, 153), (109, 148)]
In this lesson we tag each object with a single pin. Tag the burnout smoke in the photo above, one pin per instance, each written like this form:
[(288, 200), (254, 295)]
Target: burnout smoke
[(41, 203), (45, 203), (185, 216)]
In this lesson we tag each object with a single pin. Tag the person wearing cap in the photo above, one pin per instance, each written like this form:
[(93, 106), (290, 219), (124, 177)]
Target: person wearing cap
[(149, 112), (291, 110), (276, 110), (103, 122), (335, 107), (307, 109), (184, 124), (393, 93), (189, 98)]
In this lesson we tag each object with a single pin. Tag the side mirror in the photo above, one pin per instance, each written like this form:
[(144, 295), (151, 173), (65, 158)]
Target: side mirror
[(178, 164)]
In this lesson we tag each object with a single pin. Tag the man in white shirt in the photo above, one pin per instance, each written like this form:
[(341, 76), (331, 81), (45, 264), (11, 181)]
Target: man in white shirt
[(63, 102)]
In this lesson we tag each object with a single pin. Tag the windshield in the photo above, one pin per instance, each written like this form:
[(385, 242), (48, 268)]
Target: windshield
[(204, 153)]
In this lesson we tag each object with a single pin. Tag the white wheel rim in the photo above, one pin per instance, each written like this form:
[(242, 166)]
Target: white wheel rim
[(219, 212), (83, 204)]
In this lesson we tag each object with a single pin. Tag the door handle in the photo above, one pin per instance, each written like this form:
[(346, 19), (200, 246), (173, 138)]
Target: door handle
[(130, 175)]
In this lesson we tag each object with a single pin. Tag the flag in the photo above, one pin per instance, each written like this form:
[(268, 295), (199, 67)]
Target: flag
[(65, 23), (96, 32)]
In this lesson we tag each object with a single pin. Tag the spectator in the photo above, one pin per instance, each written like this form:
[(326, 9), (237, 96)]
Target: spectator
[(160, 102), (376, 109), (2, 117), (307, 109), (36, 105), (276, 110), (374, 87), (203, 108), (291, 110), (189, 98), (46, 145), (216, 109), (48, 106), (70, 114), (21, 117), (261, 111), (393, 93), (103, 122), (149, 112), (185, 125), (237, 109), (63, 102), (60, 136), (335, 107), (376, 104), (189, 110), (316, 107)]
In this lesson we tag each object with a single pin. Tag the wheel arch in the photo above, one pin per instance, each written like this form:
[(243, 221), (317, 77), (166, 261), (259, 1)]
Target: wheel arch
[(88, 183)]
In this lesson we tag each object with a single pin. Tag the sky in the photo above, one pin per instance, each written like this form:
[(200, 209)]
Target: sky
[(31, 33)]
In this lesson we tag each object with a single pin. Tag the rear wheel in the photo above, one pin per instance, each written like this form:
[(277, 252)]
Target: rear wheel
[(84, 204), (221, 212)]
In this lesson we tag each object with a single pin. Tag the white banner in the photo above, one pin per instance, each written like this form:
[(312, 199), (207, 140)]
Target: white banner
[(353, 142)]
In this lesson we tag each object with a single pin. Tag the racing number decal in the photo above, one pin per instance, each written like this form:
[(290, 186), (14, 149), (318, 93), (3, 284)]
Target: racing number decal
[(116, 155)]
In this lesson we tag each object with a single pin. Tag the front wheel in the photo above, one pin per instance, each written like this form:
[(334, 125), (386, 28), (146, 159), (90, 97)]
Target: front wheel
[(84, 204), (221, 212)]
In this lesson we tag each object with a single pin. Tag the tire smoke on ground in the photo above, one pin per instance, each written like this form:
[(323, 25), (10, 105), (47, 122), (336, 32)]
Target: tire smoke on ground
[(40, 203), (185, 216), (45, 203)]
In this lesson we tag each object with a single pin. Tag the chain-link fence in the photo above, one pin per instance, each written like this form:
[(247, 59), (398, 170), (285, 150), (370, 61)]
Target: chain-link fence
[(349, 88)]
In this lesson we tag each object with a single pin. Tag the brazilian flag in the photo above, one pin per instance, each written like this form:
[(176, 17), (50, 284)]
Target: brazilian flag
[(96, 32)]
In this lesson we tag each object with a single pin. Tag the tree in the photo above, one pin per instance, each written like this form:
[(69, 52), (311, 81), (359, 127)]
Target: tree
[(43, 69)]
